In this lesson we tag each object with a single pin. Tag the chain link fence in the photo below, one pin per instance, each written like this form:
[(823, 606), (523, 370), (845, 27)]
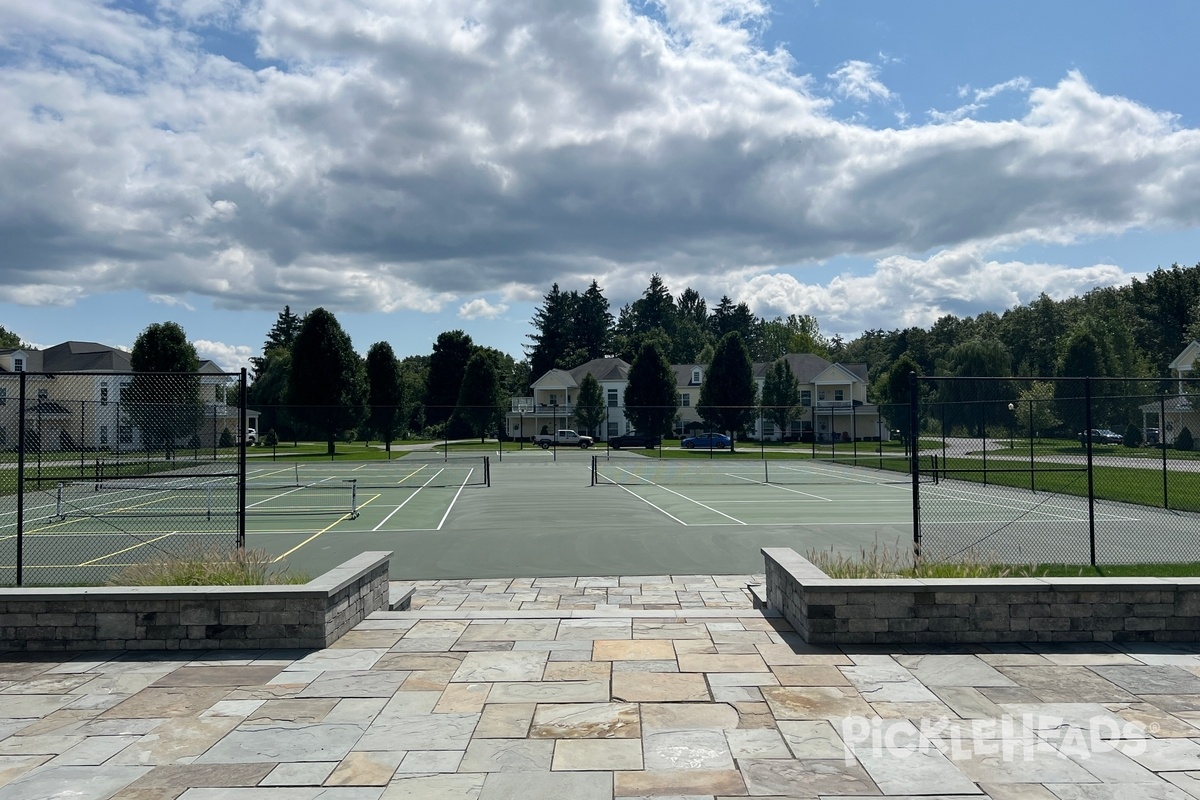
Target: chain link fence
[(1057, 470), (101, 471)]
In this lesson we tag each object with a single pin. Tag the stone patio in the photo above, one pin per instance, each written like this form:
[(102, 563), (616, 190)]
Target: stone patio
[(655, 686)]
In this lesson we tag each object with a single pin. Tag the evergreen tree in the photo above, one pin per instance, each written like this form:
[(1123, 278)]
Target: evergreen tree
[(281, 336), (478, 407), (781, 396), (592, 326), (443, 381), (327, 385), (655, 308), (269, 392), (651, 396), (166, 408), (590, 409), (728, 394), (384, 390), (894, 393), (554, 325)]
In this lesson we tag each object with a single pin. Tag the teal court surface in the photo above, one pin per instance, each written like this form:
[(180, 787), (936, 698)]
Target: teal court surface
[(546, 513)]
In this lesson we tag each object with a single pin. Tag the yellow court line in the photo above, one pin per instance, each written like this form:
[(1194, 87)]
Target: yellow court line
[(332, 525), (127, 549)]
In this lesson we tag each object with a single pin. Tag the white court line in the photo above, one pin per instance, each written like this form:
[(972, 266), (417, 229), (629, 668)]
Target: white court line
[(777, 486), (685, 497), (455, 500), (410, 497), (647, 502)]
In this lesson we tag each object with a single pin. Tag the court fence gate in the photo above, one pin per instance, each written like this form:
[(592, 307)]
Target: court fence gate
[(103, 471), (1054, 470)]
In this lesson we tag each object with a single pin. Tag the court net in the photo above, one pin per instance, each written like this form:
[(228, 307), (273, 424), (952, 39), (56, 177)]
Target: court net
[(642, 471), (410, 472)]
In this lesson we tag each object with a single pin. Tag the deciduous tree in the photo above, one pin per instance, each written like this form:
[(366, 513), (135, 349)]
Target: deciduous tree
[(166, 408), (781, 396), (384, 391), (589, 407), (650, 395)]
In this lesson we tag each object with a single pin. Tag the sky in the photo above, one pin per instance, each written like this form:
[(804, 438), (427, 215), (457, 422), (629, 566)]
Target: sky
[(419, 166)]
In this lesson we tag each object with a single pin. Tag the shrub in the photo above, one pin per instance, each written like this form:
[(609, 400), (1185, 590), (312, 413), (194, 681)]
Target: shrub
[(215, 567), (271, 439), (226, 438), (1184, 440), (1133, 436)]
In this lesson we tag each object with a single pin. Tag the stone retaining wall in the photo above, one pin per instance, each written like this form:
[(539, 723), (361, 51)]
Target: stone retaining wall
[(311, 615), (961, 611)]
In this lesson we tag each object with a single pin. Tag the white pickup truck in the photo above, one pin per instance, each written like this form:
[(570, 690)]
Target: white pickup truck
[(563, 439)]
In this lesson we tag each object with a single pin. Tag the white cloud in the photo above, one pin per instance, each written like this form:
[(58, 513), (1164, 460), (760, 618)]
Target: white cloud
[(859, 80), (903, 292), (168, 300), (229, 357), (481, 309), (408, 155), (979, 99)]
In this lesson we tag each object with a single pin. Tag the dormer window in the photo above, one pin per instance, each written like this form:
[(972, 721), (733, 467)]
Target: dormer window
[(18, 365), (695, 375), (104, 394)]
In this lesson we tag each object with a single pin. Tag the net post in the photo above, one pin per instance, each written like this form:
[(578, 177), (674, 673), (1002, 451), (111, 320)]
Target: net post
[(487, 471), (353, 498), (594, 470), (209, 506), (58, 505), (766, 472)]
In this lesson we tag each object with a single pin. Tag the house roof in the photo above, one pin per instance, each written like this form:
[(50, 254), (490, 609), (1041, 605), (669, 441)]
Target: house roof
[(1186, 359), (603, 369), (806, 367), (83, 357)]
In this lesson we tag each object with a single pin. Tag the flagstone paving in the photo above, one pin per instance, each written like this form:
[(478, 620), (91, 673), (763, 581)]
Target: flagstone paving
[(601, 688)]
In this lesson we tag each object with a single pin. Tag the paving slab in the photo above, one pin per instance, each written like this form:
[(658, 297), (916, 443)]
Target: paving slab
[(634, 687)]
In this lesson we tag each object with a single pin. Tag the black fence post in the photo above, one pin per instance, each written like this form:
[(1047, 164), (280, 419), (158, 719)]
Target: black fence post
[(1087, 440), (916, 464), (21, 485), (1032, 487), (241, 531), (983, 413), (1162, 443)]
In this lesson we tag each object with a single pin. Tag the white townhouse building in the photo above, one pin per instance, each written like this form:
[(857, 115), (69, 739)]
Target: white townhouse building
[(833, 401)]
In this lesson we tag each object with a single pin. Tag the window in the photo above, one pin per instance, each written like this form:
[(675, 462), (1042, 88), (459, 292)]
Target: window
[(821, 394), (838, 394), (768, 428), (613, 429), (104, 394), (103, 434), (685, 399), (695, 375), (3, 397), (126, 434), (805, 398), (612, 398), (18, 365), (553, 399), (43, 394)]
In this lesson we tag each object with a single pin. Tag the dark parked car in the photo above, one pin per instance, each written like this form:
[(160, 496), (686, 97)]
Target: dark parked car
[(1101, 436), (705, 441), (643, 440)]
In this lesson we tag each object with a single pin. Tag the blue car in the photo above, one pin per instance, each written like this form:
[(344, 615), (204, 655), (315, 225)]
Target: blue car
[(706, 441)]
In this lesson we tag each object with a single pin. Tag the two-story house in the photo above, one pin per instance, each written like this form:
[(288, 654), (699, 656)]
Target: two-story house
[(833, 401), (555, 396), (73, 398), (1162, 420)]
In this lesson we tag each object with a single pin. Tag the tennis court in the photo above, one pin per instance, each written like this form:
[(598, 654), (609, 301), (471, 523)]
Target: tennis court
[(85, 531), (546, 513)]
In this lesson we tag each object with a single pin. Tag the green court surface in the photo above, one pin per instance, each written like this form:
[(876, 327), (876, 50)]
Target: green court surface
[(542, 516)]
